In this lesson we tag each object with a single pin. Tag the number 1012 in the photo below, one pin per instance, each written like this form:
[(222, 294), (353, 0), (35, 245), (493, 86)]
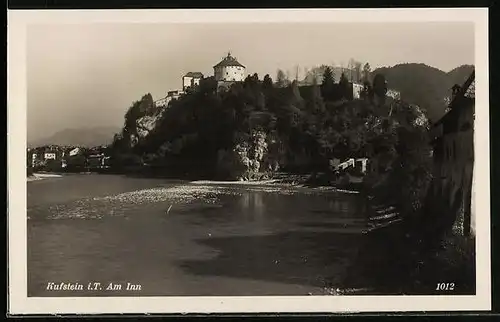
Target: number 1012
[(445, 287)]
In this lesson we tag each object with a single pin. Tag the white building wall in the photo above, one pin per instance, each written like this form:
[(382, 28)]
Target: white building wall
[(73, 152), (161, 102), (50, 156), (186, 81), (356, 90), (229, 73)]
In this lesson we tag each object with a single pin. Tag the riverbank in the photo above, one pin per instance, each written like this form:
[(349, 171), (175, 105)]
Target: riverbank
[(279, 179), (42, 176)]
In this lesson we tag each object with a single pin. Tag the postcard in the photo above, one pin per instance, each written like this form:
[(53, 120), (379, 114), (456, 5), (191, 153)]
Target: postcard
[(248, 161)]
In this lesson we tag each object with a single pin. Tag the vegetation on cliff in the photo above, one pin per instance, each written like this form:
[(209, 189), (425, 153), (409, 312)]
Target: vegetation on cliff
[(259, 127)]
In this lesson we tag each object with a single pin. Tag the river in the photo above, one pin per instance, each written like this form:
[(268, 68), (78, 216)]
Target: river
[(178, 238)]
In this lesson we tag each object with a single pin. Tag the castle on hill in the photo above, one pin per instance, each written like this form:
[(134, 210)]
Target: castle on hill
[(227, 72)]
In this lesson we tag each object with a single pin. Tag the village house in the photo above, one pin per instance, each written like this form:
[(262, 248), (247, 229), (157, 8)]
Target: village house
[(49, 156), (359, 165)]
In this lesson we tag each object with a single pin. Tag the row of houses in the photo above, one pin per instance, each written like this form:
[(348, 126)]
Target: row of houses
[(65, 157)]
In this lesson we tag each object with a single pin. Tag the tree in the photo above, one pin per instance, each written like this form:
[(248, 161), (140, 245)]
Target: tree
[(344, 86), (380, 87), (366, 73), (267, 83), (328, 83), (281, 79), (351, 66), (297, 68), (313, 76), (367, 92), (358, 72)]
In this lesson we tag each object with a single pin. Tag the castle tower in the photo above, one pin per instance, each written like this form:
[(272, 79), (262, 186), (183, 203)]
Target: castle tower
[(229, 70)]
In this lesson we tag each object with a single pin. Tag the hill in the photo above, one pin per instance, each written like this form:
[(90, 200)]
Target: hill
[(424, 85), (80, 136)]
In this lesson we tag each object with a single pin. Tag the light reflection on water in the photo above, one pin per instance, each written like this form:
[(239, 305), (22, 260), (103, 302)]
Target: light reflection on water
[(182, 239)]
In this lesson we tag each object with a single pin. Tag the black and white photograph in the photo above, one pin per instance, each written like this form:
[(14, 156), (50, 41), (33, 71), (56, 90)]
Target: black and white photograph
[(173, 161)]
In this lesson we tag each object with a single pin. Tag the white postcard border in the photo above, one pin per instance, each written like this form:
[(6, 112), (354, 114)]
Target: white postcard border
[(19, 303)]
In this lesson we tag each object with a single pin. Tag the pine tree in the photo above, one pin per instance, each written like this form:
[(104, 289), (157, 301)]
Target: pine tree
[(267, 83), (344, 86), (357, 72), (366, 74), (328, 83), (380, 87)]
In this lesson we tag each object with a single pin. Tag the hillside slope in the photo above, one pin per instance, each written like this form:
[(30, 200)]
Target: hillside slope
[(424, 85), (88, 137)]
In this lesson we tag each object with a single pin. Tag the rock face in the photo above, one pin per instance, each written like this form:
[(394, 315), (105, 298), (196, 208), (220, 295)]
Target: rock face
[(141, 118), (254, 158), (144, 125)]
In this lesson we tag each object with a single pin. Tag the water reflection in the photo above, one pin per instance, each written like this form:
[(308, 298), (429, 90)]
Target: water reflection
[(251, 205)]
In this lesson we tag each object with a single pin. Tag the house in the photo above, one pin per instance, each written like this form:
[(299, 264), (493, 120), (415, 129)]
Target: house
[(358, 165), (346, 164), (50, 156), (228, 71), (98, 161), (191, 80), (357, 89), (74, 152), (171, 95), (162, 102), (34, 157)]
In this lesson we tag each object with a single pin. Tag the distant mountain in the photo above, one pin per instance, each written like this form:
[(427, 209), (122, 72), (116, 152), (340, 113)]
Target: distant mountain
[(81, 136), (424, 85)]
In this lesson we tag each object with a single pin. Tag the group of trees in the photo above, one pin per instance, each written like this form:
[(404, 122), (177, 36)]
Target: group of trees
[(355, 72)]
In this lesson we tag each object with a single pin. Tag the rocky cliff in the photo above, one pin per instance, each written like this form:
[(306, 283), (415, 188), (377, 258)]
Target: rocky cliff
[(141, 118), (253, 157)]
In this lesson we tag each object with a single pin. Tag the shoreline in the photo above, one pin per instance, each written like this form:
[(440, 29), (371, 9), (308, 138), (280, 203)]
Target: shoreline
[(283, 181), (275, 183), (42, 176)]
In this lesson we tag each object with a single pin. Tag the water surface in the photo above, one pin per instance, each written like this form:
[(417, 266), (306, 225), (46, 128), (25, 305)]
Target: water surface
[(177, 238)]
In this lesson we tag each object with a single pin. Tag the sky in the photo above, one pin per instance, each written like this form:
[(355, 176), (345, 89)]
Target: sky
[(88, 75)]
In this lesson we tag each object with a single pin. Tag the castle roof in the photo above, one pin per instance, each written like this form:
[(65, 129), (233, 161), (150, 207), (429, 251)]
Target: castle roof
[(194, 74), (229, 61)]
